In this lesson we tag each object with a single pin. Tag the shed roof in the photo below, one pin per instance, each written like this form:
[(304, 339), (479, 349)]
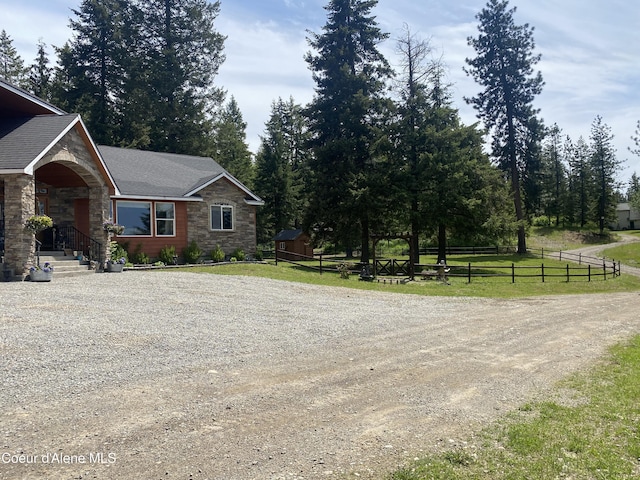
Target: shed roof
[(287, 235)]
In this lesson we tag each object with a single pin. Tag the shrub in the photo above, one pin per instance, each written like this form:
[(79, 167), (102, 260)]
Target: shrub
[(139, 256), (344, 269), (167, 255), (191, 253), (238, 254), (258, 255), (217, 254)]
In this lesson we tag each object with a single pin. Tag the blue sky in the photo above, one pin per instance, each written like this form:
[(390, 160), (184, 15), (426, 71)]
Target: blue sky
[(589, 53)]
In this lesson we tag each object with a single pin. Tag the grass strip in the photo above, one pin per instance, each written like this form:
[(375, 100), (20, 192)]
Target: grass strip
[(589, 430)]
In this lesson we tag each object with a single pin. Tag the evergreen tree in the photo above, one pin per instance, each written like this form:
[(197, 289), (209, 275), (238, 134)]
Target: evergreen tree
[(554, 186), (410, 142), (182, 53), (345, 114), (633, 193), (504, 67), (230, 146), (604, 166), (581, 180), (40, 73), (11, 64), (92, 65), (278, 167)]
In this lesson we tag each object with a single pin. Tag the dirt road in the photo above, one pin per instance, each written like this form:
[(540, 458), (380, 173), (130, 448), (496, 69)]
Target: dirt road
[(208, 377)]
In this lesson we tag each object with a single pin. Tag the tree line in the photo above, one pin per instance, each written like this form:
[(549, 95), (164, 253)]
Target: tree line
[(376, 150)]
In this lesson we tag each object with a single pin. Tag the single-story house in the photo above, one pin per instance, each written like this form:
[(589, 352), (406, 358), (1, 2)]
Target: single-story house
[(50, 165), (627, 217), (292, 244), (166, 199)]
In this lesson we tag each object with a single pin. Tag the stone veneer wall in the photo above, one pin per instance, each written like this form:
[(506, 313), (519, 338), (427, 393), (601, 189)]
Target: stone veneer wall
[(19, 205), (244, 234), (61, 203), (72, 152)]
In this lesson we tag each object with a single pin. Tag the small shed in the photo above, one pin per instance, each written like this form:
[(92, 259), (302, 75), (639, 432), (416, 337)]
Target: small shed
[(293, 245)]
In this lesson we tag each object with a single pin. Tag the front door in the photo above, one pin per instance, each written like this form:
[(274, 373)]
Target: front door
[(81, 215)]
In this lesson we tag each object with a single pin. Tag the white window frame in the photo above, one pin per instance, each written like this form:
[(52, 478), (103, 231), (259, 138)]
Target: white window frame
[(165, 220), (222, 207), (125, 234)]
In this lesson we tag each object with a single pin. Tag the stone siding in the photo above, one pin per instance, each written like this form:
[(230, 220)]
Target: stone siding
[(19, 205), (243, 235)]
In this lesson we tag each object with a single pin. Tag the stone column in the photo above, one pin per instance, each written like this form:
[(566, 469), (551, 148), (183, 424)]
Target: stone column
[(99, 213), (19, 205)]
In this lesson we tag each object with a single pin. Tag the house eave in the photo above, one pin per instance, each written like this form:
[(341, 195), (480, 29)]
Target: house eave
[(234, 181), (155, 198)]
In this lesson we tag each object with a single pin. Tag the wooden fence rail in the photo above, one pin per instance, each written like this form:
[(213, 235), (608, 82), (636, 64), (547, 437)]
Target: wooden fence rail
[(584, 267)]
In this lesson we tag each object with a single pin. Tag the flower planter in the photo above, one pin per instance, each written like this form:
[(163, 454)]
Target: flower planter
[(115, 267), (40, 276)]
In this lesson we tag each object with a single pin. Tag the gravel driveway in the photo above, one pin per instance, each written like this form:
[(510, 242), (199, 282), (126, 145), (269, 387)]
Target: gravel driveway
[(177, 375)]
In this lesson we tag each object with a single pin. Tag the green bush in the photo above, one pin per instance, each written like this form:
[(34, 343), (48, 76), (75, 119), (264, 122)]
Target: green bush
[(238, 254), (139, 256), (192, 253), (217, 254), (258, 255), (167, 255)]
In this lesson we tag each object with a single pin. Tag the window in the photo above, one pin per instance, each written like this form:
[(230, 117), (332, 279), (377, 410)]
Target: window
[(165, 219), (283, 246), (135, 217), (221, 217)]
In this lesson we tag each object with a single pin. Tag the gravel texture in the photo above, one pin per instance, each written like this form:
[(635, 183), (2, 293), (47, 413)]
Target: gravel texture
[(152, 375)]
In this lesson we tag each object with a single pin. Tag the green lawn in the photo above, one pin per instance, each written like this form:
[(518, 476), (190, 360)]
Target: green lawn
[(479, 287), (592, 431), (628, 254)]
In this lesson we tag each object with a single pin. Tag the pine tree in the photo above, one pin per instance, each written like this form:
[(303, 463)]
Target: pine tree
[(345, 114), (92, 66), (504, 67), (581, 180), (11, 64), (40, 73), (230, 146), (554, 176), (410, 141), (180, 55), (604, 166), (279, 164)]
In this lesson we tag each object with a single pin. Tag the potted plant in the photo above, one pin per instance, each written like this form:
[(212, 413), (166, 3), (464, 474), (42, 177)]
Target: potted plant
[(112, 229), (117, 257), (116, 265), (37, 223), (41, 274)]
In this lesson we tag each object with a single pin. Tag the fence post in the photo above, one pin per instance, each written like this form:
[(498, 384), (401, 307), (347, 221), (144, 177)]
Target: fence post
[(568, 273), (542, 252), (604, 268), (580, 259), (513, 272), (543, 273), (469, 270), (589, 269), (276, 254), (560, 256)]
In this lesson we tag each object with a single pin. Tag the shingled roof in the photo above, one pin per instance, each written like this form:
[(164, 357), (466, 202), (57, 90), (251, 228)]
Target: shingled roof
[(145, 174), (24, 140)]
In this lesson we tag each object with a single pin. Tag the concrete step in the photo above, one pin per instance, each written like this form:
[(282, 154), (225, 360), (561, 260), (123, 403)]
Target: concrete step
[(64, 265)]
